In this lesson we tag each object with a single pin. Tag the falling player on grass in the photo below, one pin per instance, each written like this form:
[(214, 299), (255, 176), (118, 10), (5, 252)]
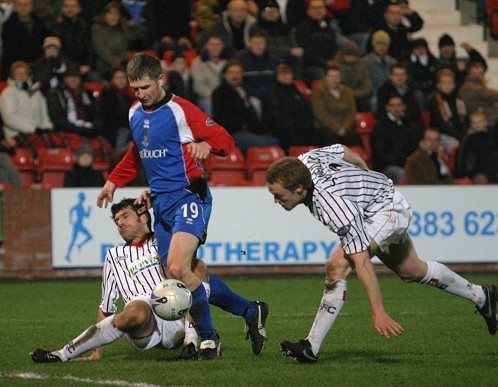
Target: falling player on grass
[(371, 219), (131, 271)]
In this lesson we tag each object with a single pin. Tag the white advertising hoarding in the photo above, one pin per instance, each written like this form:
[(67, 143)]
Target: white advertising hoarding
[(450, 224)]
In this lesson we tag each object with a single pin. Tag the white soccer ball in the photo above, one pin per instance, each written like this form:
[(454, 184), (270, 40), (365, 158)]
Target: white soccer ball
[(171, 299)]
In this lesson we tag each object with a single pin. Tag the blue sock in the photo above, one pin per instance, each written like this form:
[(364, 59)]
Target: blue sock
[(201, 314), (224, 298)]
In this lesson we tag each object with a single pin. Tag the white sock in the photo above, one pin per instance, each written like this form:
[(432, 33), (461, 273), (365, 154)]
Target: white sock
[(191, 335), (208, 289), (441, 277), (104, 332), (331, 304)]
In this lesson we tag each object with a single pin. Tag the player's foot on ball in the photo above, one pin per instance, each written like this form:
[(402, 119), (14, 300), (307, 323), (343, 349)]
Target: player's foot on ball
[(189, 352), (488, 310), (256, 327), (210, 349), (300, 351), (40, 355)]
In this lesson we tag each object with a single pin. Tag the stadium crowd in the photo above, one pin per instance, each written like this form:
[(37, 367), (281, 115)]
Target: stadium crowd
[(280, 73)]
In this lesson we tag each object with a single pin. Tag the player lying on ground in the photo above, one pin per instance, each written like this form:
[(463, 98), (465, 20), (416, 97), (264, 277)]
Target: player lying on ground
[(371, 219), (131, 271)]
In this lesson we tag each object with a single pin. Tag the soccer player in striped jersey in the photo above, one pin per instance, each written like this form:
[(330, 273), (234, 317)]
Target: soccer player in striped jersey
[(371, 219), (171, 136), (131, 272)]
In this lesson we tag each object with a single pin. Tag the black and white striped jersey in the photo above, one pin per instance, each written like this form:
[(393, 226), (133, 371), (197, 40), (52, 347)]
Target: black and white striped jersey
[(130, 271), (345, 196)]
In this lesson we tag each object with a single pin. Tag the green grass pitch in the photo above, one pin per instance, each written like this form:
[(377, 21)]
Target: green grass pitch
[(445, 343)]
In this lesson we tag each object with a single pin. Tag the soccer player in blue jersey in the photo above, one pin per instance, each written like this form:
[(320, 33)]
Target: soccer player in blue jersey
[(371, 219), (171, 137)]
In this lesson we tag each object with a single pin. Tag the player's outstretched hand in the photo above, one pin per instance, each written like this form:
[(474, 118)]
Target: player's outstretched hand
[(143, 200), (106, 195), (199, 150), (386, 326)]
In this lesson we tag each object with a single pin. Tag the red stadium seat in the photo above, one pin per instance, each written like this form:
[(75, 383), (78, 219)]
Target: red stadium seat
[(296, 150), (229, 170), (303, 88), (24, 162), (426, 118), (52, 164), (3, 85), (258, 161)]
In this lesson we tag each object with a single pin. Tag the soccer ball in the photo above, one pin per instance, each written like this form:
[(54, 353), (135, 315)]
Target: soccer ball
[(171, 299)]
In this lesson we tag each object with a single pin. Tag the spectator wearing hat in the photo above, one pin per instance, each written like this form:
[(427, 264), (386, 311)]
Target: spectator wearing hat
[(22, 36), (355, 75), (83, 174), (459, 66), (74, 32), (379, 63), (422, 68), (50, 68), (73, 108)]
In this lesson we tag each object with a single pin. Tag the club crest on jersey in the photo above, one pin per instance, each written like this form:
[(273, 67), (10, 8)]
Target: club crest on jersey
[(210, 121), (145, 135)]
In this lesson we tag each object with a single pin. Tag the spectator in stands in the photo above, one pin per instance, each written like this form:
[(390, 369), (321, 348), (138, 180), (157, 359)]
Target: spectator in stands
[(422, 69), (357, 23), (234, 27), (168, 25), (6, 8), (477, 95), (428, 164), (291, 11), (400, 46), (399, 84), (73, 108), (286, 112), (317, 38), (410, 18), (492, 171), (393, 139), (448, 113), (475, 150), (379, 63), (22, 36), (118, 95), (447, 58), (355, 75), (24, 109), (334, 110), (111, 35), (50, 68), (8, 172), (83, 174), (180, 78), (206, 71), (238, 112), (281, 39), (259, 65), (75, 36)]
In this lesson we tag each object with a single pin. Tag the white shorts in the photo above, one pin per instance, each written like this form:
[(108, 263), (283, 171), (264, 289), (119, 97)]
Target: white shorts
[(168, 334), (390, 225)]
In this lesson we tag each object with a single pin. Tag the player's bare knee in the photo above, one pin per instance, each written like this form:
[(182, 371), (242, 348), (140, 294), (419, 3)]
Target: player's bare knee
[(135, 315), (178, 271), (337, 268)]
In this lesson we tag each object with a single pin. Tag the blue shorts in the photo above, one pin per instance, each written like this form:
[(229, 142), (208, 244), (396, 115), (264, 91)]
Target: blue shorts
[(180, 211)]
